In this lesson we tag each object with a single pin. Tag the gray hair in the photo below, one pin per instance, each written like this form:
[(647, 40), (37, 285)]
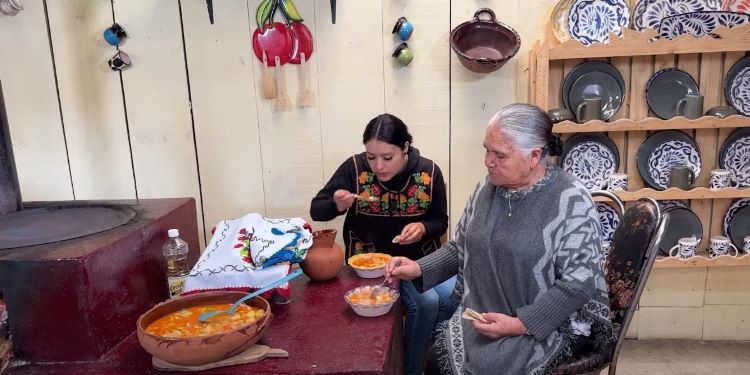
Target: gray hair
[(528, 127)]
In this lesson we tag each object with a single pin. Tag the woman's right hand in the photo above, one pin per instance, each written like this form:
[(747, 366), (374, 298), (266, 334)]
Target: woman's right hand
[(402, 268), (343, 199)]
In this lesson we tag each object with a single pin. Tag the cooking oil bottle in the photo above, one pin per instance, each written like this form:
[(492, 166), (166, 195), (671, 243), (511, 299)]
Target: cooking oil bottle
[(176, 251)]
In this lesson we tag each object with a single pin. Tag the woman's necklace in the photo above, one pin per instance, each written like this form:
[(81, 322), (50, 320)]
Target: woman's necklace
[(522, 193)]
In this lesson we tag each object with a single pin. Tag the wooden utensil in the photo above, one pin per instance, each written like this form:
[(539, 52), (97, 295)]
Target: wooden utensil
[(254, 353), (267, 83), (306, 97), (282, 101)]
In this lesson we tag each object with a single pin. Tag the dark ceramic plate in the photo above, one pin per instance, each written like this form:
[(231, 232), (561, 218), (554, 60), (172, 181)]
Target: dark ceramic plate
[(665, 88), (729, 217), (739, 226), (682, 223), (669, 205), (591, 157), (663, 150), (734, 155), (737, 86), (586, 67), (597, 84)]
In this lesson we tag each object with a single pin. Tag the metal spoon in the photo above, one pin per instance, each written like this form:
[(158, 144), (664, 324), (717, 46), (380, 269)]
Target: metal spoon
[(209, 314)]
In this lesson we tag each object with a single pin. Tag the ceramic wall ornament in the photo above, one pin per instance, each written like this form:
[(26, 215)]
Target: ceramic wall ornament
[(484, 44), (403, 28), (403, 54), (119, 61), (10, 7), (287, 40), (115, 34)]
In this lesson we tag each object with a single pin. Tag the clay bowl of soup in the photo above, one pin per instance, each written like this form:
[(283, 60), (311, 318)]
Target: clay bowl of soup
[(172, 332)]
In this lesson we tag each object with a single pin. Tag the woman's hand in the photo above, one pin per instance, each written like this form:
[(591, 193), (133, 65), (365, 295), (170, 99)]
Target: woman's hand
[(402, 268), (499, 326), (412, 233), (343, 199)]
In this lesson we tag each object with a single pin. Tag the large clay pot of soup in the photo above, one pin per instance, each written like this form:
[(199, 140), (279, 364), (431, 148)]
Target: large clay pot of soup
[(172, 332), (325, 258), (484, 45)]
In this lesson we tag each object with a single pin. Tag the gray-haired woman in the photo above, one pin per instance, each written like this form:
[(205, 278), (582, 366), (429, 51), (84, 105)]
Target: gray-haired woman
[(527, 254)]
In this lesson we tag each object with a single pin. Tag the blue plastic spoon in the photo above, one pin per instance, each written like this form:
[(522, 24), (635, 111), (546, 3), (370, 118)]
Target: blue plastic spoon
[(209, 314)]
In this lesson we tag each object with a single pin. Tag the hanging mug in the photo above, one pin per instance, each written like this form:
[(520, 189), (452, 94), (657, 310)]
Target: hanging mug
[(403, 28), (115, 34)]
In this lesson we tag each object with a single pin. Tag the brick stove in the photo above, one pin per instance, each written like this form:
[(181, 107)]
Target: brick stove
[(74, 295)]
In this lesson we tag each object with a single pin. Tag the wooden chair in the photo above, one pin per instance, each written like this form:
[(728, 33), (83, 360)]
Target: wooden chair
[(634, 248)]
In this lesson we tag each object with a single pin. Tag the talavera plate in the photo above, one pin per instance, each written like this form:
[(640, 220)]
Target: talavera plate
[(737, 86), (734, 155), (591, 157), (609, 218), (699, 24), (559, 20), (729, 216), (591, 21), (647, 14), (663, 150), (741, 6)]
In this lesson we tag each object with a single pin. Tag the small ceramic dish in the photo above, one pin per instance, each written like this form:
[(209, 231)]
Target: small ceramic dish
[(380, 304), (369, 265)]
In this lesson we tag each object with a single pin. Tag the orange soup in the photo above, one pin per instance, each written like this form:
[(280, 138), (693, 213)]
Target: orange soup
[(374, 260), (184, 323), (379, 297)]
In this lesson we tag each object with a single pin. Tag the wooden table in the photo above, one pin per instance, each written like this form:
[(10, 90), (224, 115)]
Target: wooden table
[(319, 330)]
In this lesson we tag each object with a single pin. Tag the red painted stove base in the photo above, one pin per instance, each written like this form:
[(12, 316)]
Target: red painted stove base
[(75, 300), (318, 329)]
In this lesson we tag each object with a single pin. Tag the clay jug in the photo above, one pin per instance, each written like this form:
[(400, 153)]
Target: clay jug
[(324, 258)]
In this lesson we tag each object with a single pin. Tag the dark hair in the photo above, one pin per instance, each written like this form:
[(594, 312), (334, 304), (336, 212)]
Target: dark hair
[(529, 127), (389, 129)]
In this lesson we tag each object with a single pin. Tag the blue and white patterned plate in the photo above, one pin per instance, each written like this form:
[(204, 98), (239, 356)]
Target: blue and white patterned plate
[(591, 21), (663, 150), (609, 218), (699, 24), (737, 86), (647, 14), (666, 206), (729, 215), (734, 155), (591, 157)]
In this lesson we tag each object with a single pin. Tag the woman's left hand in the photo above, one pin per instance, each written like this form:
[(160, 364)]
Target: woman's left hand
[(499, 326), (412, 233)]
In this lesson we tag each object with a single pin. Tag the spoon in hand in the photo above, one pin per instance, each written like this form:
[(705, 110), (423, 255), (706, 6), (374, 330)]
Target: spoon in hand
[(203, 318)]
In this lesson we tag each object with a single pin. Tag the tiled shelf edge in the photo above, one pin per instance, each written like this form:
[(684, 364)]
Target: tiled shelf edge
[(675, 193), (701, 261), (635, 43), (650, 123)]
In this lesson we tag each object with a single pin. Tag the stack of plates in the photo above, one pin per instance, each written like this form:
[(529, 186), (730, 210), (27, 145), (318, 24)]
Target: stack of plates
[(734, 155), (663, 150), (682, 223), (592, 79), (737, 85), (666, 88), (591, 157)]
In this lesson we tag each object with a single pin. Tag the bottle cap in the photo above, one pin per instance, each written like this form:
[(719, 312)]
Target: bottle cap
[(173, 233)]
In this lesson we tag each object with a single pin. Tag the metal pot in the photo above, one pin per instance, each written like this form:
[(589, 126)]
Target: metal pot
[(484, 46)]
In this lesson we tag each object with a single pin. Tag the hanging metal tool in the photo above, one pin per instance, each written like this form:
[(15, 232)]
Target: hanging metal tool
[(210, 6), (333, 11)]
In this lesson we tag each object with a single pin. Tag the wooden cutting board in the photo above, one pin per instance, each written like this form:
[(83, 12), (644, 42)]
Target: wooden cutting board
[(254, 353)]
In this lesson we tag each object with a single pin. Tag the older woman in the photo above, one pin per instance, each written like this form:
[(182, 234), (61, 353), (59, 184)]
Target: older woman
[(528, 257)]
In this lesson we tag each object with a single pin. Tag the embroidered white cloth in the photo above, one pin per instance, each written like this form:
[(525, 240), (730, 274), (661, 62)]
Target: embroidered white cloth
[(250, 252)]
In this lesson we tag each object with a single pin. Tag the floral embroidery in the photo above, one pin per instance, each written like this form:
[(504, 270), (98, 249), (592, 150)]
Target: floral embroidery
[(244, 245), (412, 201)]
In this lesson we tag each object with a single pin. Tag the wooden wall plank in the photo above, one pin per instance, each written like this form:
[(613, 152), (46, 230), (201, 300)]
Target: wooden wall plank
[(158, 107), (28, 81), (91, 100), (222, 83), (622, 64), (641, 70)]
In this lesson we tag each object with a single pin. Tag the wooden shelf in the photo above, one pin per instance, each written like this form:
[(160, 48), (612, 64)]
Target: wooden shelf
[(675, 193), (635, 43), (651, 123), (701, 261)]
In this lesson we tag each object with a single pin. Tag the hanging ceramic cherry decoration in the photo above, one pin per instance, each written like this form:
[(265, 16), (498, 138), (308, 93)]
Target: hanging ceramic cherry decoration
[(404, 28)]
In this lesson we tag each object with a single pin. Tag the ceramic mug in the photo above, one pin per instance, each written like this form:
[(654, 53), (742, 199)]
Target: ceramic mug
[(403, 28), (685, 248), (720, 245), (403, 54), (115, 34), (681, 177), (691, 106), (615, 181), (590, 109), (721, 111), (119, 61), (746, 244), (606, 246), (721, 178)]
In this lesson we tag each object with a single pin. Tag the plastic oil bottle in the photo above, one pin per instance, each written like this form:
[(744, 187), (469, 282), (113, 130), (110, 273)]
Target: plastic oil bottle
[(176, 251)]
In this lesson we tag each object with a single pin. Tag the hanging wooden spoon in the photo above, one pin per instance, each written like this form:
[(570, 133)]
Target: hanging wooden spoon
[(306, 97), (282, 101), (267, 84)]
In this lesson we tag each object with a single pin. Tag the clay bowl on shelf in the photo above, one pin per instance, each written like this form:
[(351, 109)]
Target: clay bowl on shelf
[(484, 45), (369, 265), (368, 302), (202, 349)]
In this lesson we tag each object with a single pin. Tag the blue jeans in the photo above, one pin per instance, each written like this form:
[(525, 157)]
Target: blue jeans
[(423, 312)]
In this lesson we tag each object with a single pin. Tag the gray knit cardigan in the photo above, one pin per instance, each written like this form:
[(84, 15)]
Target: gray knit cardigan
[(534, 254)]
